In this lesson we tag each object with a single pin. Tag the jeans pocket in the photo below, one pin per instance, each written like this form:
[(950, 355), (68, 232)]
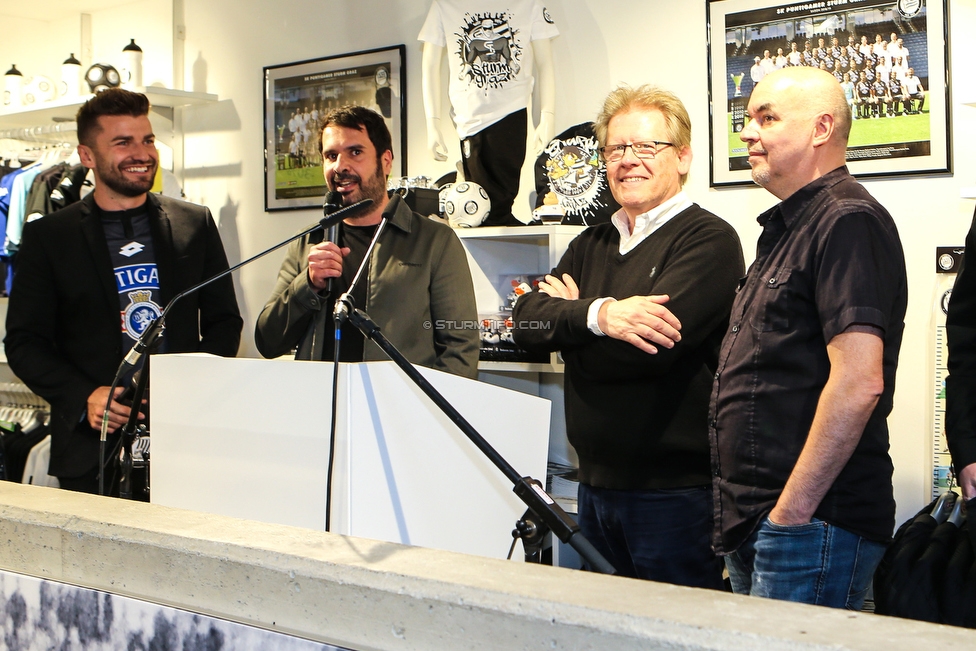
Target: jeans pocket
[(814, 524), (785, 543), (789, 561)]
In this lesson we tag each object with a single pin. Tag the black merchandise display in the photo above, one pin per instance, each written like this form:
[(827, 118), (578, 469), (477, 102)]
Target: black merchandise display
[(571, 169)]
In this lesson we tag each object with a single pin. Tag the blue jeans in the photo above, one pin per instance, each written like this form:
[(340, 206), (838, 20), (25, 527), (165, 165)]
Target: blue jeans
[(658, 535), (814, 563)]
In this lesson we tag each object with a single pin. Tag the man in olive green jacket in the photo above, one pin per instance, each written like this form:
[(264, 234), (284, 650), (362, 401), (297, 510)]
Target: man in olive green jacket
[(417, 287)]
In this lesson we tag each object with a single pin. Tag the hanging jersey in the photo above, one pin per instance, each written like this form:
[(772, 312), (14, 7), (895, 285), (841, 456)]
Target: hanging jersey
[(489, 53), (76, 184), (570, 167)]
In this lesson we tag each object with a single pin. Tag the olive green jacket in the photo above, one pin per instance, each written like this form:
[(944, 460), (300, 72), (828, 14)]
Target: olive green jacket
[(420, 295)]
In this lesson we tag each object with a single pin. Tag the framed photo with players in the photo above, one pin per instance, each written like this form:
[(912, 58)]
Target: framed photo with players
[(889, 56), (298, 96)]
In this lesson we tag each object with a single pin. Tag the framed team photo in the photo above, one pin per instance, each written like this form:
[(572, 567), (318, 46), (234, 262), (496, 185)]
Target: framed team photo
[(298, 96), (889, 56)]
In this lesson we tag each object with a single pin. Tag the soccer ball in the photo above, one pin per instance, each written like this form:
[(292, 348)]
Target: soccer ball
[(466, 204), (102, 76)]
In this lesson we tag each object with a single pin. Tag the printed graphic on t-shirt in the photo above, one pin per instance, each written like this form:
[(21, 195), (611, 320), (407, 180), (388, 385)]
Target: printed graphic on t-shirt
[(573, 168), (488, 49), (138, 282)]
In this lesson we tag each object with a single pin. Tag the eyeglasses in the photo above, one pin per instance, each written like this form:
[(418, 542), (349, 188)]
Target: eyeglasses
[(645, 150)]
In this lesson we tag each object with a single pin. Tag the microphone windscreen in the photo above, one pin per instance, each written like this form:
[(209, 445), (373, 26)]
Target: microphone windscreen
[(333, 201)]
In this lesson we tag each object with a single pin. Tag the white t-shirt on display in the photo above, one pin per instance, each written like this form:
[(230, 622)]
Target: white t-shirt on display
[(489, 54)]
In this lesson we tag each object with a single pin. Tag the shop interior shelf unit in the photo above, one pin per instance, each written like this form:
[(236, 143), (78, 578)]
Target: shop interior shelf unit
[(63, 109), (497, 252)]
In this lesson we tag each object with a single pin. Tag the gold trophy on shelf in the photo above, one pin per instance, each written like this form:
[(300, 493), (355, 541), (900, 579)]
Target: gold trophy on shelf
[(737, 80)]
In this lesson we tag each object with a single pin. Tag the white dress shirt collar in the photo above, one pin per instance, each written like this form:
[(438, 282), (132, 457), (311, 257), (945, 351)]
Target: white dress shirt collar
[(648, 222)]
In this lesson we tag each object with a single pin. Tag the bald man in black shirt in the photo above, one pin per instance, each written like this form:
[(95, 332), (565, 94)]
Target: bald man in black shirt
[(803, 493)]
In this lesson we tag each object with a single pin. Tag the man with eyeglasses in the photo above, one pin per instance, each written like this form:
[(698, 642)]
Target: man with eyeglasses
[(638, 307)]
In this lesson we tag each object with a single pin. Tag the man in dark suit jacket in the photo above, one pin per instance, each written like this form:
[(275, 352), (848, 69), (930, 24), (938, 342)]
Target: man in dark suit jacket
[(960, 386), (119, 252)]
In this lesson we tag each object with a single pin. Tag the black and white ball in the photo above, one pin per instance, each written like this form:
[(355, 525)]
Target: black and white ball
[(101, 76), (466, 205)]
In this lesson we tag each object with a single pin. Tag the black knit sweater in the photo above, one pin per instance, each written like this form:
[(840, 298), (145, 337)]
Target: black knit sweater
[(638, 420)]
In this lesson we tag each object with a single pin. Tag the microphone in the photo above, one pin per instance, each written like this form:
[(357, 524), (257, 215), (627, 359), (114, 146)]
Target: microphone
[(345, 303), (333, 202), (155, 329)]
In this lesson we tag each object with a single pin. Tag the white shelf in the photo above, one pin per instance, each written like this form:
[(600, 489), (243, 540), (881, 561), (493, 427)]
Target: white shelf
[(495, 252), (555, 366), (517, 232), (64, 109)]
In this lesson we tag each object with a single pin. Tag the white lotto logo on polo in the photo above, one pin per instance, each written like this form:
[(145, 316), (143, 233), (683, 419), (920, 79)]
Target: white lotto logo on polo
[(131, 249)]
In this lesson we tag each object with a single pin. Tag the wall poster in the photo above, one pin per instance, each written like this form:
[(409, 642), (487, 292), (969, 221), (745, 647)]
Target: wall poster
[(890, 56), (297, 96)]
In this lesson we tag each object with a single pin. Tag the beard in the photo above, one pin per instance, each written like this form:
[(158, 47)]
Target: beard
[(373, 187), (760, 172), (113, 177), (760, 176)]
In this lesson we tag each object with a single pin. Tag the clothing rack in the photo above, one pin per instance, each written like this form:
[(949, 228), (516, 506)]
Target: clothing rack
[(16, 394), (52, 133), (20, 405), (25, 443)]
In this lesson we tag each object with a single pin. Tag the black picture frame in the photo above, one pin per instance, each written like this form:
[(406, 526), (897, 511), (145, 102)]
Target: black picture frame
[(308, 89), (896, 145)]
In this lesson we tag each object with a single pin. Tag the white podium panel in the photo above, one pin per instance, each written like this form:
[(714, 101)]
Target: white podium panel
[(249, 438)]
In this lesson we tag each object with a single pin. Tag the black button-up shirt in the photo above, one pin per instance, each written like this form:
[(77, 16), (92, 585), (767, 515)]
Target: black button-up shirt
[(829, 257)]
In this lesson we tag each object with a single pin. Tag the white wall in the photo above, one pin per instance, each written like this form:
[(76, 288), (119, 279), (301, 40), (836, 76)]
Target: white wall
[(39, 45), (602, 43), (150, 23), (37, 56)]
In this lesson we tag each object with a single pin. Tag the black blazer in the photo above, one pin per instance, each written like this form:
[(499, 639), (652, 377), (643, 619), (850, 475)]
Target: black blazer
[(63, 324), (960, 404)]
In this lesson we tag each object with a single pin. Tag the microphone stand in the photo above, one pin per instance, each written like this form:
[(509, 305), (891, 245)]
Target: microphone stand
[(150, 335), (339, 314), (129, 434), (543, 512)]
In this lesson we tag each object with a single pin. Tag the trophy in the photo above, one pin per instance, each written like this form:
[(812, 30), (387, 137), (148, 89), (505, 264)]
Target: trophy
[(737, 80)]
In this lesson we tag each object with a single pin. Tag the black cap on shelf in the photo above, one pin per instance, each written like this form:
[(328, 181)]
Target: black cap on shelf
[(13, 71), (132, 47), (71, 60)]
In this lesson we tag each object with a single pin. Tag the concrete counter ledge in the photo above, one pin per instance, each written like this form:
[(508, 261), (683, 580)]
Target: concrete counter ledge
[(364, 594)]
